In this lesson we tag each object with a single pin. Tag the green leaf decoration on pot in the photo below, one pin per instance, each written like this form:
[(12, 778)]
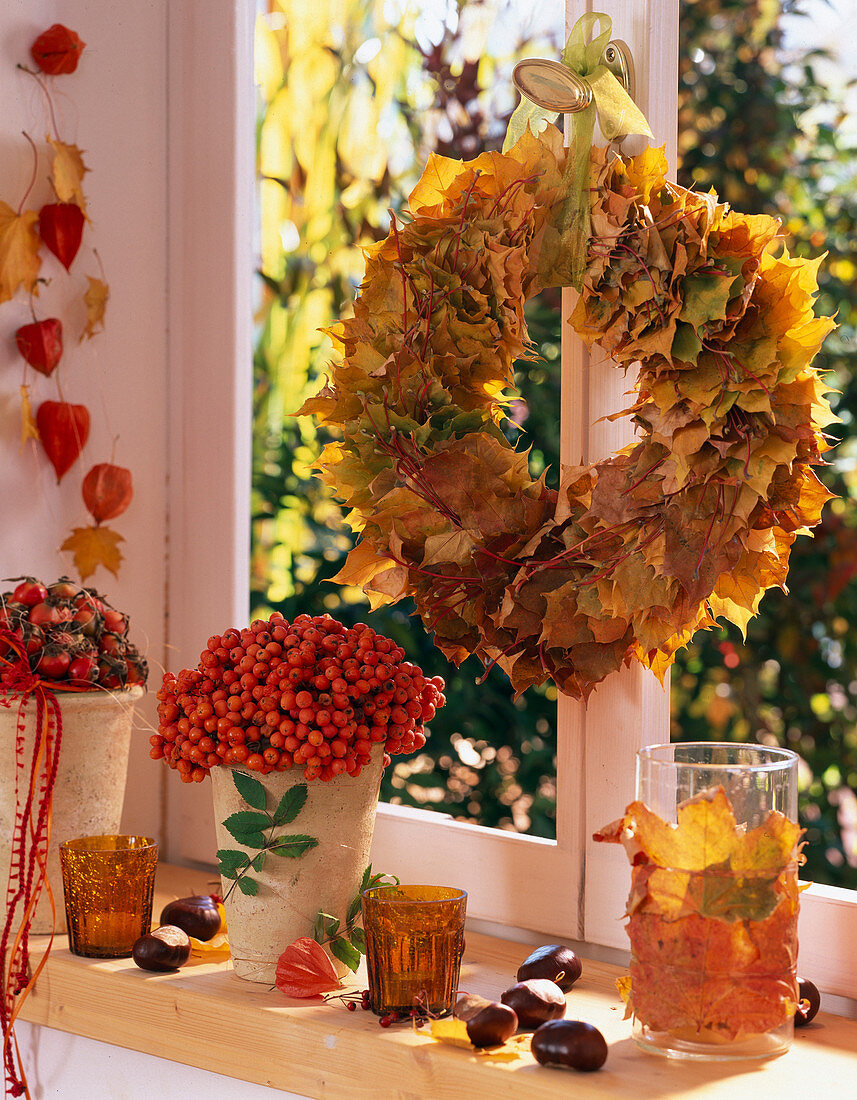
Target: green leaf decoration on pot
[(293, 846), (290, 805), (246, 827), (249, 828), (250, 789)]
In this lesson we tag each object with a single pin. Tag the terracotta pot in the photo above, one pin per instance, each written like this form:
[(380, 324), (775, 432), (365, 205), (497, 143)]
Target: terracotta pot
[(90, 785), (340, 815)]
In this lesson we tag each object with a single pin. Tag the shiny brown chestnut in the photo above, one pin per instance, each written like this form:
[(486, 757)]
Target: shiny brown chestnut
[(809, 1002), (468, 1004), (167, 948), (535, 1001), (492, 1025), (553, 961), (197, 915), (569, 1043)]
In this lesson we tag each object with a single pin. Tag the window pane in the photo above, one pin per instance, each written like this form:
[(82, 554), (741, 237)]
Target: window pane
[(351, 104)]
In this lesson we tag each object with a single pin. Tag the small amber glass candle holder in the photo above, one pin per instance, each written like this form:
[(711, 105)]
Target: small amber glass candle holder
[(108, 883), (414, 944)]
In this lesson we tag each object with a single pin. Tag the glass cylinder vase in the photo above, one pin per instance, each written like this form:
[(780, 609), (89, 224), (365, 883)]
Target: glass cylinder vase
[(714, 900)]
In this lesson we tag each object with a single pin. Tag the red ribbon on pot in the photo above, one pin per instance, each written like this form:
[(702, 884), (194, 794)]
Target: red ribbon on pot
[(30, 838)]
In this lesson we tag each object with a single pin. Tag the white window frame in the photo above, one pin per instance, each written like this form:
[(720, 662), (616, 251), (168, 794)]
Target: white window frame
[(570, 888)]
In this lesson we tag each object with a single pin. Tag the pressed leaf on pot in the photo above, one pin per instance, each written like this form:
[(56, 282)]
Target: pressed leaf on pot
[(95, 299), (61, 228), (291, 804), (19, 251), (247, 827), (40, 343), (250, 789), (293, 847), (57, 50), (64, 430), (94, 546), (107, 491)]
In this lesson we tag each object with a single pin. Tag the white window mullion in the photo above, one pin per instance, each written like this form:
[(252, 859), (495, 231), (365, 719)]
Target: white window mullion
[(630, 708)]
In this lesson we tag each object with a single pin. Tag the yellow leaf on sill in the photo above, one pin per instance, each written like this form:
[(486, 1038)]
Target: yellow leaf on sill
[(453, 1032), (215, 948)]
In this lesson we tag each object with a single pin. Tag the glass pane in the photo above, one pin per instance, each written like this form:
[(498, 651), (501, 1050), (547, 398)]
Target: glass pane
[(352, 100), (793, 681)]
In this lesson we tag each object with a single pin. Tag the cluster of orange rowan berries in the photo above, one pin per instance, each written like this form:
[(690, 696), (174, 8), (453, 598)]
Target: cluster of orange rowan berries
[(312, 694)]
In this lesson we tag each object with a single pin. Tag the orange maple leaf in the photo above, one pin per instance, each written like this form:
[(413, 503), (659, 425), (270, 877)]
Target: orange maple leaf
[(94, 546), (712, 918), (19, 251)]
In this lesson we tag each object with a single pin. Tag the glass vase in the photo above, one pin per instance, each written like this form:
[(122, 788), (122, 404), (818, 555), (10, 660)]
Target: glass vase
[(713, 916)]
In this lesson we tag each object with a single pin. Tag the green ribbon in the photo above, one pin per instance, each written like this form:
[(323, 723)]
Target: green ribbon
[(565, 261)]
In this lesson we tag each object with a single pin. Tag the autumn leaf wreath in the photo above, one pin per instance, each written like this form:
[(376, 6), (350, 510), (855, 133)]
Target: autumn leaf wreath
[(634, 553)]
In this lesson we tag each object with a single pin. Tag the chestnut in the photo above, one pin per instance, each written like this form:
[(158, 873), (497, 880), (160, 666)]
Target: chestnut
[(569, 1043), (492, 1025), (167, 948), (553, 961), (809, 1002), (468, 1004), (535, 1001), (197, 915)]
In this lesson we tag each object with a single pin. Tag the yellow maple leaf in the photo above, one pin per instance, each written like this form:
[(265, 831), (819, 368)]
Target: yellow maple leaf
[(28, 423), (215, 948), (19, 251), (647, 171), (95, 298), (67, 172), (453, 1032), (94, 546)]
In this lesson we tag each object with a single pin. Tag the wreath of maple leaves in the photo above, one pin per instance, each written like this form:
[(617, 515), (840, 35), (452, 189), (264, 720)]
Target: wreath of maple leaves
[(634, 553)]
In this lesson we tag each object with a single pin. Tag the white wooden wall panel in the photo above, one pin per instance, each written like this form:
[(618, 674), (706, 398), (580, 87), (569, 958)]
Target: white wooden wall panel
[(114, 108), (211, 113)]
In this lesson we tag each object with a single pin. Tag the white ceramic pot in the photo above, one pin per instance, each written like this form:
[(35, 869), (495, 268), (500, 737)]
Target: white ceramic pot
[(90, 784), (340, 815)]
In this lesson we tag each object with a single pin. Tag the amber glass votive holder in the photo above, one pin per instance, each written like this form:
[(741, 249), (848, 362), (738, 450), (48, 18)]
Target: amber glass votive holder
[(414, 944), (108, 883)]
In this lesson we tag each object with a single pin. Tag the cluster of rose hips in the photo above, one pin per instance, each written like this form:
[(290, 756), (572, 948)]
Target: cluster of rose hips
[(311, 694), (67, 633), (418, 1015)]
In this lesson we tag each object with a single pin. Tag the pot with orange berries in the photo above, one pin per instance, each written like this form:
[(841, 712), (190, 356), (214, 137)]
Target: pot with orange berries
[(69, 678), (294, 722)]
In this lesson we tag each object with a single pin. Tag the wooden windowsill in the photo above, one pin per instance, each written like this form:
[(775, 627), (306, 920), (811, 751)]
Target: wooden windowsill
[(203, 1016)]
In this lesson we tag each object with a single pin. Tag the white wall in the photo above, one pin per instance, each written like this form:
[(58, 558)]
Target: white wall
[(114, 108), (170, 153)]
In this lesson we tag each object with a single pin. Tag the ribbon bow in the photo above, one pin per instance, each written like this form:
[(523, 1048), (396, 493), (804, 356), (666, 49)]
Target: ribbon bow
[(616, 113), (30, 838)]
